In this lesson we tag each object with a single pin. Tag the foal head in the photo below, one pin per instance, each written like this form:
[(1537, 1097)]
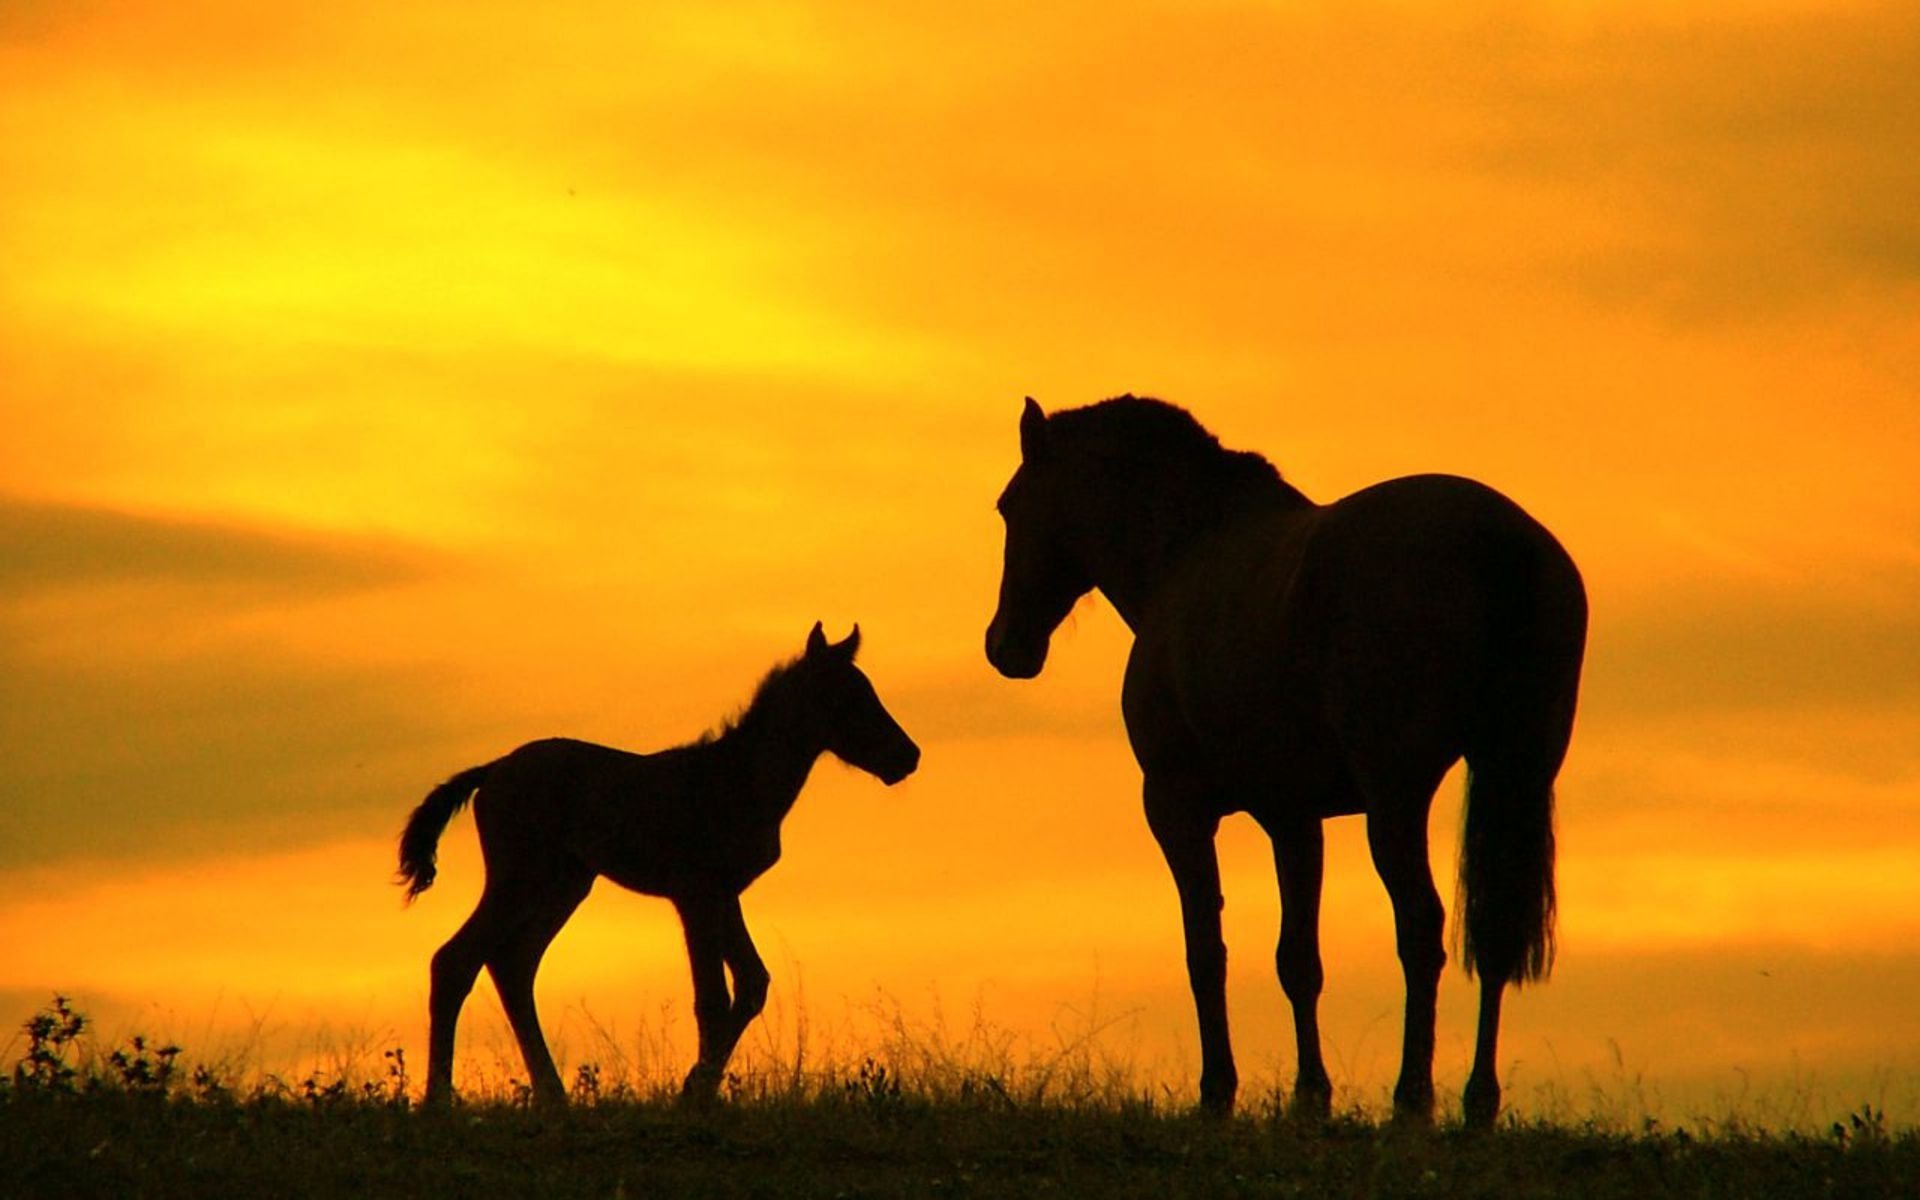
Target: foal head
[(844, 713)]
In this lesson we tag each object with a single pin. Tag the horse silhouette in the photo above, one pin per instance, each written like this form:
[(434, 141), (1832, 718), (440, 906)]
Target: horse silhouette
[(695, 824), (1298, 661)]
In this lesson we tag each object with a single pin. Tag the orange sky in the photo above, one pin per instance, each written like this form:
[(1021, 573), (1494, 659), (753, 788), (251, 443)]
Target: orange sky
[(387, 385)]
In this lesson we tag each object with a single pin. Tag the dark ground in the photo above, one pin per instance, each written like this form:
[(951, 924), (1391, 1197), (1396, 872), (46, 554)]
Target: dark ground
[(869, 1142)]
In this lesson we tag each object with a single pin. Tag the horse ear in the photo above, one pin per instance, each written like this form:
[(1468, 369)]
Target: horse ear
[(851, 646), (817, 640), (1033, 432)]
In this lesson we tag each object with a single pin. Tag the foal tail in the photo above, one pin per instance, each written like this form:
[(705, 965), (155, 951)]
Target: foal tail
[(421, 838), (1507, 901)]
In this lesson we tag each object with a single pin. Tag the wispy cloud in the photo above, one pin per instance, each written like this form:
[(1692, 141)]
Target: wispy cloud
[(156, 702), (48, 546), (1736, 165), (651, 334), (1847, 640)]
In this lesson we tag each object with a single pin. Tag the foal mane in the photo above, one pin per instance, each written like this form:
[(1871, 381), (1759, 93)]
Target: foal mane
[(776, 684), (1140, 428)]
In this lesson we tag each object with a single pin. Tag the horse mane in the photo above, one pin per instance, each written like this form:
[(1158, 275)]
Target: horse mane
[(775, 684), (1139, 427)]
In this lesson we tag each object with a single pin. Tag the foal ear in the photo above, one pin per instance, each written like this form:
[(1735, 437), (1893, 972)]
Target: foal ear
[(851, 646), (1033, 432), (817, 640)]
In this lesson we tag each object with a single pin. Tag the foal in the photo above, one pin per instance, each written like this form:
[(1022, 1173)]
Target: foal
[(695, 824)]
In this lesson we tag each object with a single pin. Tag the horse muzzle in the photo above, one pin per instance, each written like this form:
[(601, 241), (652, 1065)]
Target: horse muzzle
[(1015, 658), (900, 765)]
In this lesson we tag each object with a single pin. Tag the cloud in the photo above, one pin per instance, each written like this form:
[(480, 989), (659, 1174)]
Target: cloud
[(971, 704), (55, 546), (1850, 642), (157, 699), (1719, 166), (165, 761)]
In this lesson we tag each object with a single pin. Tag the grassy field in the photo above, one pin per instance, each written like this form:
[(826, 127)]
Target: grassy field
[(135, 1121)]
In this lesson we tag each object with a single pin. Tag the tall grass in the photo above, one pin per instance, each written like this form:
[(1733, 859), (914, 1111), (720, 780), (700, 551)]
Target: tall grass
[(1088, 1058), (921, 1109)]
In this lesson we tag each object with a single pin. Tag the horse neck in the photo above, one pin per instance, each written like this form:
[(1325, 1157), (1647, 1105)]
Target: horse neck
[(773, 759), (1131, 561), (1129, 581)]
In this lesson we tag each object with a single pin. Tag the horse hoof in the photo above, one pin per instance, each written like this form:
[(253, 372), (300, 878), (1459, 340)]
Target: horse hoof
[(1413, 1109), (1479, 1107), (1415, 1119), (1216, 1102), (1310, 1106), (702, 1087)]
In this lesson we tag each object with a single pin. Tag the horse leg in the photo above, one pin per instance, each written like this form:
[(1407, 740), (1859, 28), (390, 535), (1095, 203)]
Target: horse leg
[(1482, 1101), (719, 1036), (1180, 818), (513, 967), (1507, 891), (455, 966), (1298, 855), (750, 977), (703, 920), (1397, 838)]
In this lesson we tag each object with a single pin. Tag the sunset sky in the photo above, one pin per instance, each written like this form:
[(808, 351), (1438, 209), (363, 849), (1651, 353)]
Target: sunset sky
[(385, 385)]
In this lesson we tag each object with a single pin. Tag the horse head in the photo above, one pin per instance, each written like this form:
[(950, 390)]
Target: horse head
[(858, 729), (1040, 579)]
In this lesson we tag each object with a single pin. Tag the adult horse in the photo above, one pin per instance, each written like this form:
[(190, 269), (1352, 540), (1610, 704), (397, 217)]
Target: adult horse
[(1298, 661)]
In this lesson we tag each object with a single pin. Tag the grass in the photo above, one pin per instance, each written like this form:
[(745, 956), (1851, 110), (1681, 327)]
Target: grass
[(134, 1121)]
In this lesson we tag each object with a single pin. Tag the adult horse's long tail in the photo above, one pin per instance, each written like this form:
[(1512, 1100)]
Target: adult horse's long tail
[(1506, 903), (1507, 898), (420, 841)]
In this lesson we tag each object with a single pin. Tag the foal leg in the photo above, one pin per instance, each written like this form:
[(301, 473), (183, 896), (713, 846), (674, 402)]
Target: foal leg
[(720, 1035), (1397, 837), (750, 977), (1179, 815), (704, 920), (513, 967), (455, 966), (1298, 855)]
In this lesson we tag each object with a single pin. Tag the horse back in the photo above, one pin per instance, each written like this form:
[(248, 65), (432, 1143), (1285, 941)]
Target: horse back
[(1293, 641), (1426, 579), (646, 821)]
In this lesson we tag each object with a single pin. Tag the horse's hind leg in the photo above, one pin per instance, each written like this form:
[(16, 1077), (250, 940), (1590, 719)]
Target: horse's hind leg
[(514, 965), (1397, 838), (455, 966), (1481, 1102), (1298, 856)]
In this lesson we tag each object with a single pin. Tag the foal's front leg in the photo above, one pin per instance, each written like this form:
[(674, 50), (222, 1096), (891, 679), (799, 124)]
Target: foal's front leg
[(750, 978), (707, 922)]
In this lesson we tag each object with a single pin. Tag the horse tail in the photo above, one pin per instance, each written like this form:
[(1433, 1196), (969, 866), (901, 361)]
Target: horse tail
[(1506, 896), (420, 841)]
